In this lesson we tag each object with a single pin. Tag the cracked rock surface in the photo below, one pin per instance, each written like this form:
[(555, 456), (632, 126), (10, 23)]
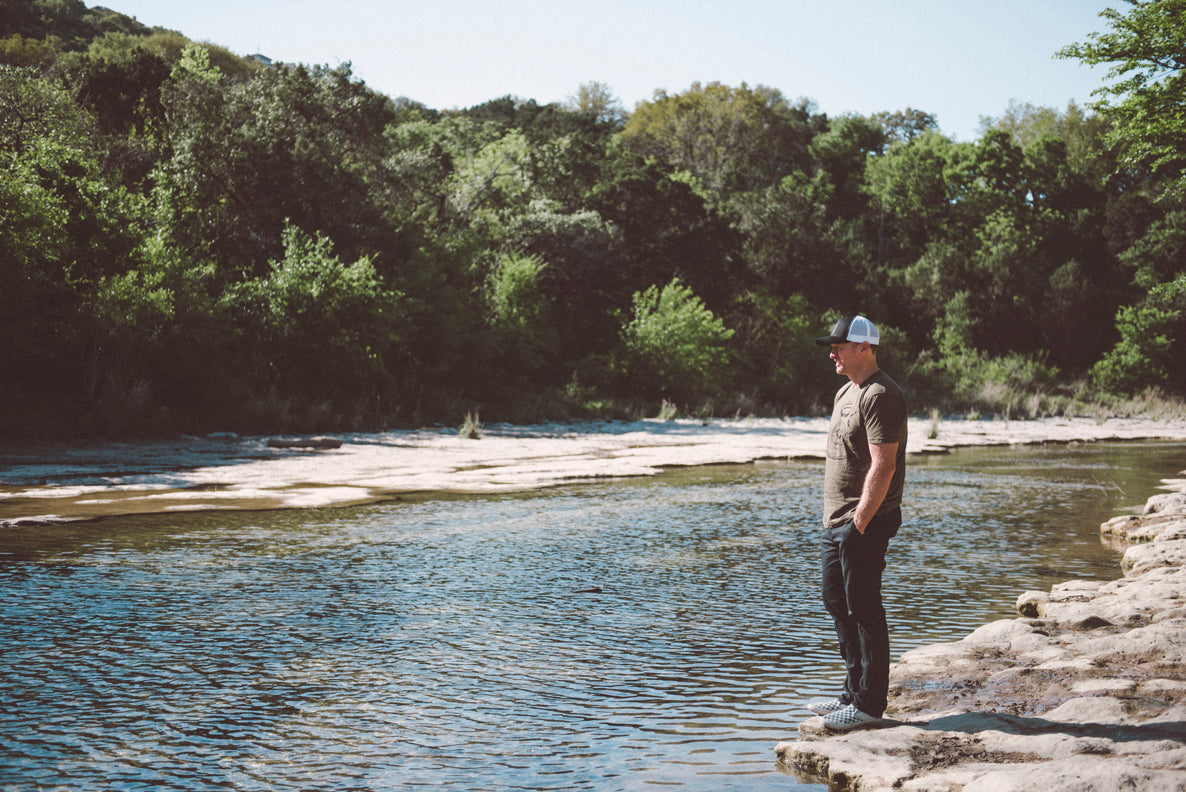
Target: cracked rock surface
[(1084, 690)]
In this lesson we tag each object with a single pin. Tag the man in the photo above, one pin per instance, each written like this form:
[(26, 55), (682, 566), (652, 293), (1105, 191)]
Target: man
[(863, 478)]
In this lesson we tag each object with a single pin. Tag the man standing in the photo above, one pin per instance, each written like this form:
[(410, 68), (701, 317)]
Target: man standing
[(863, 478)]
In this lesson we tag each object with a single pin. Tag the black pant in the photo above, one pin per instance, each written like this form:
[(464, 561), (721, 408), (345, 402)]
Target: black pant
[(852, 563)]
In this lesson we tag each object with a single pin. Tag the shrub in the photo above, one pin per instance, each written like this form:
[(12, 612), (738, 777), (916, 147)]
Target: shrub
[(1142, 356), (520, 313), (675, 346), (315, 325)]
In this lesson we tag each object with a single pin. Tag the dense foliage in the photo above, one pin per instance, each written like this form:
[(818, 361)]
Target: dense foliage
[(191, 240)]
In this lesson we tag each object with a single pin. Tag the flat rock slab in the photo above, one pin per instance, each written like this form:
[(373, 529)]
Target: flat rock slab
[(224, 471)]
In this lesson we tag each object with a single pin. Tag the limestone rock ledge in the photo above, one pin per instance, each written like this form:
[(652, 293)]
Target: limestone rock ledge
[(1084, 691)]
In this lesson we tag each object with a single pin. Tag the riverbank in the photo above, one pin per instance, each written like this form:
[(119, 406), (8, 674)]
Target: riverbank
[(1085, 690), (50, 483)]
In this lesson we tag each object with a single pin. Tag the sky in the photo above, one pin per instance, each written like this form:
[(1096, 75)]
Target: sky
[(960, 60)]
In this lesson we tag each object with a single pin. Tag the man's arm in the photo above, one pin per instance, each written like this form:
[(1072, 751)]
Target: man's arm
[(877, 482)]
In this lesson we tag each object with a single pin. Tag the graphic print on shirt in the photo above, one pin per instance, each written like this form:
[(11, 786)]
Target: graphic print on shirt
[(845, 424)]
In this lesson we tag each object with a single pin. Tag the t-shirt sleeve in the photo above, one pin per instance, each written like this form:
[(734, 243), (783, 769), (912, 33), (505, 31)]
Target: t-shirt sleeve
[(884, 416)]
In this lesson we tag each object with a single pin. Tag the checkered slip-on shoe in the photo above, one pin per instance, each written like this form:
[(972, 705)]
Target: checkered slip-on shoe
[(823, 707), (847, 719)]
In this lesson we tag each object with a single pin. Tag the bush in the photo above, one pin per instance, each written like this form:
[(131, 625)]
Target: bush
[(675, 346), (521, 314), (1142, 357), (314, 325)]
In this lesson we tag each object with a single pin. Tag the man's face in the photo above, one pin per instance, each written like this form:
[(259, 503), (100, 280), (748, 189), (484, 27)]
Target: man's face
[(844, 355)]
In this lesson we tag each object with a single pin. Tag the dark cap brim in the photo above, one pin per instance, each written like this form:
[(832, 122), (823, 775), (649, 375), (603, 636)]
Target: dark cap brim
[(829, 340)]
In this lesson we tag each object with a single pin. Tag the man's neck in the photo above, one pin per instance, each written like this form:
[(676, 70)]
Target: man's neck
[(860, 378)]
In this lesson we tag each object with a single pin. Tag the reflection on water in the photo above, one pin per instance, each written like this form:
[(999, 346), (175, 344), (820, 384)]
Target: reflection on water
[(464, 642)]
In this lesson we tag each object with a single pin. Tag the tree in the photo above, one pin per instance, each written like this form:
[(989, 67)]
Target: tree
[(172, 47), (195, 65), (668, 230), (728, 139), (70, 20), (1061, 194), (597, 101), (778, 361), (789, 244), (293, 144), (921, 190), (842, 152), (33, 110), (493, 180), (903, 126), (17, 50), (1147, 102), (65, 232), (421, 189), (1000, 182), (1081, 132), (1160, 254), (1007, 279), (124, 91), (582, 279)]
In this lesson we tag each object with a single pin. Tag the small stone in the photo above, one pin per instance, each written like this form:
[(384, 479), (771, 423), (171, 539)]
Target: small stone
[(1032, 603), (1090, 623)]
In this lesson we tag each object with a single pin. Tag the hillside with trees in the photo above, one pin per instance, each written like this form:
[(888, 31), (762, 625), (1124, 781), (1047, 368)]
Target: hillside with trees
[(192, 240)]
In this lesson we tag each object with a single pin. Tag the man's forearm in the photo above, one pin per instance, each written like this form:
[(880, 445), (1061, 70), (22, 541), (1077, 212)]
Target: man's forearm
[(877, 483)]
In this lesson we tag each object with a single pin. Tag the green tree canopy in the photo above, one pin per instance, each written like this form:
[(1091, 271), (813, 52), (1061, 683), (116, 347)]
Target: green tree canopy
[(727, 138), (187, 233), (1146, 99), (294, 144)]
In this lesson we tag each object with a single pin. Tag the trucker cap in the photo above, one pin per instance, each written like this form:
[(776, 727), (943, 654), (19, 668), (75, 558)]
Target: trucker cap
[(851, 328)]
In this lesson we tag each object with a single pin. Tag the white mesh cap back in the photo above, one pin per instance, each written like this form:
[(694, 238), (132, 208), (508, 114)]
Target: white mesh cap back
[(861, 330)]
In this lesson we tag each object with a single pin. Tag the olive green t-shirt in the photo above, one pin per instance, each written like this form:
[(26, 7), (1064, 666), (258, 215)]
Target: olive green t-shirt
[(874, 412)]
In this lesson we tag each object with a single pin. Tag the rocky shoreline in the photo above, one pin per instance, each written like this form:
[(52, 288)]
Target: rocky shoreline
[(1084, 690)]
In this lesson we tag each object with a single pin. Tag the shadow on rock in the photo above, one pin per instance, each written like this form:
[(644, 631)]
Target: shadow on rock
[(978, 722)]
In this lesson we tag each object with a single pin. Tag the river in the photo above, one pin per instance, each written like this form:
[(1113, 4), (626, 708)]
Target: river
[(622, 635)]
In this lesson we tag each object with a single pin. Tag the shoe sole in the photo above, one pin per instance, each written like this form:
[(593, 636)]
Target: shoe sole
[(854, 727)]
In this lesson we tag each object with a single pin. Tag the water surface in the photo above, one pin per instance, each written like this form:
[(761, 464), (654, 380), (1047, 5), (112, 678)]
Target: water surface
[(637, 634)]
